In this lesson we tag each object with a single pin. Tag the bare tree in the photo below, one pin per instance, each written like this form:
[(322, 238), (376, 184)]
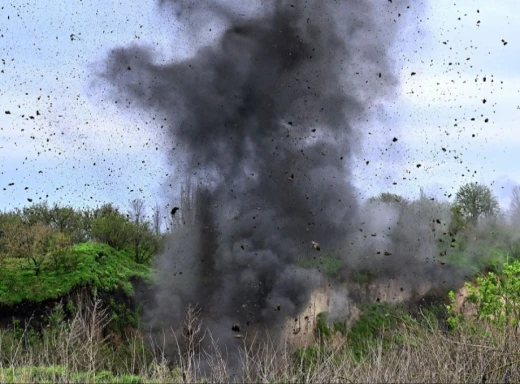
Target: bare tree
[(515, 205), (185, 212), (137, 211), (156, 219)]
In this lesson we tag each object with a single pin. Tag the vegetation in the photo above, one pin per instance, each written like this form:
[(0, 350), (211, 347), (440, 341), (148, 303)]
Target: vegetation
[(389, 198), (475, 201), (392, 348), (497, 295), (67, 280), (50, 253), (327, 264), (96, 266)]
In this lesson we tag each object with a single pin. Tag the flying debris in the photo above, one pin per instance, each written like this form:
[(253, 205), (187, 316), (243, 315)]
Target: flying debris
[(281, 64)]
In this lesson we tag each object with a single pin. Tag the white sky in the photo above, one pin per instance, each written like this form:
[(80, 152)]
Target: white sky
[(81, 150)]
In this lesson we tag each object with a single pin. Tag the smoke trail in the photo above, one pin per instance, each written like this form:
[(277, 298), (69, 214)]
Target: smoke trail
[(265, 117)]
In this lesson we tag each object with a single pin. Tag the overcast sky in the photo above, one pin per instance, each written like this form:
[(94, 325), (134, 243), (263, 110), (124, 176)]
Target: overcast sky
[(63, 141)]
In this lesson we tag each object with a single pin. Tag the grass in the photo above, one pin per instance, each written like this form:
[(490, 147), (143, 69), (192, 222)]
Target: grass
[(327, 264), (422, 353), (384, 345), (57, 374), (86, 265), (363, 276)]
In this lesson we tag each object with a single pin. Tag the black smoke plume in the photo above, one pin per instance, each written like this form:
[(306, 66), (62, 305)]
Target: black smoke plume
[(264, 121)]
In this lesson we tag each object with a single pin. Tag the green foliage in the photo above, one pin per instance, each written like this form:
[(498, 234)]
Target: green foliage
[(475, 200), (112, 229), (309, 358), (144, 242), (479, 259), (497, 295), (458, 221), (72, 222), (327, 264), (363, 276), (36, 231), (322, 331), (483, 248), (379, 321), (122, 315), (52, 374), (136, 238), (388, 198), (88, 265), (454, 318)]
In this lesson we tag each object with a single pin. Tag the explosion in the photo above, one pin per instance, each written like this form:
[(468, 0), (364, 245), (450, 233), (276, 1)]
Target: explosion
[(265, 122)]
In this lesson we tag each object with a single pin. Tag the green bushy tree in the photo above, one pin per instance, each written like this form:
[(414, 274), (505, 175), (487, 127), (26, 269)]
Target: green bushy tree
[(497, 295), (474, 201)]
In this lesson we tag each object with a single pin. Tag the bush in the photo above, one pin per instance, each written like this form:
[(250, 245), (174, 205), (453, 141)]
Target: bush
[(497, 295), (97, 266)]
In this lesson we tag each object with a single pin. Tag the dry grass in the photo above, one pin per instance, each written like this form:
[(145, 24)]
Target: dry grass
[(421, 352)]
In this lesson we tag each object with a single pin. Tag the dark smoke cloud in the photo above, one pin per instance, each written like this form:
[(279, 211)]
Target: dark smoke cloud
[(265, 120)]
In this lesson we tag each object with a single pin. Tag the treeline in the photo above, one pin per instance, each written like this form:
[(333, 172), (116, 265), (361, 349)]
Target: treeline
[(472, 231), (41, 232), (473, 203)]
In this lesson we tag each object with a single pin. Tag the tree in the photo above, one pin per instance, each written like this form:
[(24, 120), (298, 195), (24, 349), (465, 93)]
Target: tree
[(137, 211), (515, 205), (113, 229), (29, 241), (475, 201), (65, 219), (387, 197), (131, 232), (104, 210), (144, 242), (458, 221), (8, 220), (60, 244), (156, 220)]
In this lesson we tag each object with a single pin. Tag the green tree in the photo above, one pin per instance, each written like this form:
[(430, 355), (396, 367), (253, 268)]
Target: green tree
[(475, 201), (112, 229), (29, 241), (458, 221), (67, 220), (7, 221), (144, 242), (131, 232), (60, 244), (387, 197)]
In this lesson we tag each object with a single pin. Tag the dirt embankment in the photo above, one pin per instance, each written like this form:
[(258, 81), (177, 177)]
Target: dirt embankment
[(299, 332)]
